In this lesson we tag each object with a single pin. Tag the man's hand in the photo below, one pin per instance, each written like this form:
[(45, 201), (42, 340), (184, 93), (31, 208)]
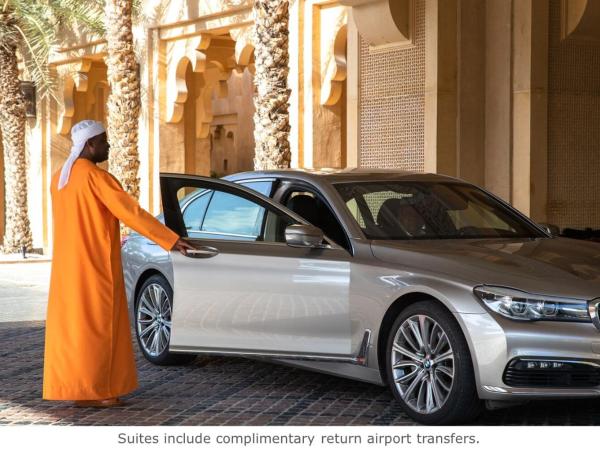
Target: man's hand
[(183, 246)]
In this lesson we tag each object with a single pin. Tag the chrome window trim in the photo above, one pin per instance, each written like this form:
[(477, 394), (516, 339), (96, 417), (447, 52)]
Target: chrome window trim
[(255, 180), (279, 244), (223, 234), (594, 310)]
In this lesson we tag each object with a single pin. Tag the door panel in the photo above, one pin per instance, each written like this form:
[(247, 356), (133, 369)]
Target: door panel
[(251, 292), (268, 297)]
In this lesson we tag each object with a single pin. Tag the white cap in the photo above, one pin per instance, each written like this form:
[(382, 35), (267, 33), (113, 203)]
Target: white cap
[(80, 133)]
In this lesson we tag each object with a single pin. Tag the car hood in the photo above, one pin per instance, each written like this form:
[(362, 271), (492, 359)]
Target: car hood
[(552, 266)]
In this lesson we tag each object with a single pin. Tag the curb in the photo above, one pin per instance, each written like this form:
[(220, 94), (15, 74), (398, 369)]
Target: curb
[(25, 261)]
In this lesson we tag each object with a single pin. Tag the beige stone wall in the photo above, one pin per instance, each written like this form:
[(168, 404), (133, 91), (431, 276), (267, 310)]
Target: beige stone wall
[(317, 81), (231, 135), (573, 128), (392, 101), (455, 86)]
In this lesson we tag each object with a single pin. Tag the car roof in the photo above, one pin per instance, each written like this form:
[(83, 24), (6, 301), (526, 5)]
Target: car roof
[(341, 175)]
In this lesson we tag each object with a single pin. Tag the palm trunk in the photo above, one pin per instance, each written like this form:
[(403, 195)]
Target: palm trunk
[(124, 98), (17, 232), (271, 117)]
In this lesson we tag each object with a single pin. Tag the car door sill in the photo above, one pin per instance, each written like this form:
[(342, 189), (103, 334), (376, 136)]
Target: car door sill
[(359, 358)]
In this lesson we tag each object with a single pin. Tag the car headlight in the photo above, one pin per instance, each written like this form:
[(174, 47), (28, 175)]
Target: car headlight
[(519, 305)]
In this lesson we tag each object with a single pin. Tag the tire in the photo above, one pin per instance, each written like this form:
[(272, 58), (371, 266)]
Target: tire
[(148, 325), (432, 387)]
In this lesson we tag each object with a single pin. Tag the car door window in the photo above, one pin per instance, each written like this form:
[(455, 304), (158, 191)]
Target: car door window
[(194, 210), (264, 186), (228, 214), (218, 214), (316, 211), (233, 212)]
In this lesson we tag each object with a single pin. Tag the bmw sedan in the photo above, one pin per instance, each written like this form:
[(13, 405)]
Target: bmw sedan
[(421, 282)]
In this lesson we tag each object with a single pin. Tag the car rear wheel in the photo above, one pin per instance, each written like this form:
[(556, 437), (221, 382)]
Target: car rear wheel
[(429, 366), (153, 307)]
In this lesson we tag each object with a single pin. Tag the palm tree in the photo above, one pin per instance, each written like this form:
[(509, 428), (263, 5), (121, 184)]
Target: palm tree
[(28, 28), (124, 98), (271, 117)]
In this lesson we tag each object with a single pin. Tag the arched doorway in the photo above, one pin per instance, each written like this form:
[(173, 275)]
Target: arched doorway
[(210, 112)]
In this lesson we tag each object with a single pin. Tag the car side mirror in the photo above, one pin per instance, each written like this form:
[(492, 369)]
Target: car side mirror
[(552, 229), (302, 235)]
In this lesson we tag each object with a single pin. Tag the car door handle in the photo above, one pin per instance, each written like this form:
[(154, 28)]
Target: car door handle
[(202, 252)]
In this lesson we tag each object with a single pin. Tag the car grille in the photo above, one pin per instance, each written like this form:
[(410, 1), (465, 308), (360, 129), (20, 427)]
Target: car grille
[(554, 373)]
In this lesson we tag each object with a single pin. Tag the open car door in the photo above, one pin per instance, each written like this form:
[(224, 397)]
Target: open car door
[(244, 290)]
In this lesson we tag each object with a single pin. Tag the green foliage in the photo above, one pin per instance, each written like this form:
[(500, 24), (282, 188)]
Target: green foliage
[(32, 27)]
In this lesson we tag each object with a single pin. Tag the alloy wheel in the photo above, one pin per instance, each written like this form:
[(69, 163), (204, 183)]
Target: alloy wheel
[(422, 361), (153, 319)]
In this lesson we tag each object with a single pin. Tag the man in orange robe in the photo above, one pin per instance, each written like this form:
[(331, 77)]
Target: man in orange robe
[(88, 354)]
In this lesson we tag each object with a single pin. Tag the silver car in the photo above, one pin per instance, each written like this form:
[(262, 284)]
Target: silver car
[(422, 282)]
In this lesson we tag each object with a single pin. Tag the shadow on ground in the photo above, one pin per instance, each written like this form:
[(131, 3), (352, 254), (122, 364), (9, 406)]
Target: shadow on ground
[(230, 391)]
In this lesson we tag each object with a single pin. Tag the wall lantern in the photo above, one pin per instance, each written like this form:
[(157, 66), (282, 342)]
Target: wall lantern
[(28, 89)]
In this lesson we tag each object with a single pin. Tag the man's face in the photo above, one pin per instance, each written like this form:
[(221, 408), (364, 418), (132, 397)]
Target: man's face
[(99, 148)]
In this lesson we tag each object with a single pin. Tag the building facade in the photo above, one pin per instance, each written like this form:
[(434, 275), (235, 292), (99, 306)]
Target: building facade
[(502, 93)]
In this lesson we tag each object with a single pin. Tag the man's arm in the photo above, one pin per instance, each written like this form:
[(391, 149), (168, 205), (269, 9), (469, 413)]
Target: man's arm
[(109, 191)]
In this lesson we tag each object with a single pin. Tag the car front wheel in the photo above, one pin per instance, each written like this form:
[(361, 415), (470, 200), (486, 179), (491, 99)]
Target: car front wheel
[(153, 307), (429, 366)]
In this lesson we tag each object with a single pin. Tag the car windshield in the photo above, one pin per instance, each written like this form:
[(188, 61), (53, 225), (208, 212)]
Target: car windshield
[(426, 210)]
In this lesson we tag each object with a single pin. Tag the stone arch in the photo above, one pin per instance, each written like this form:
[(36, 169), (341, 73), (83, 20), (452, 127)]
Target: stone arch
[(211, 79), (177, 91), (333, 83), (76, 81), (382, 22), (77, 99), (580, 19), (199, 72), (244, 49)]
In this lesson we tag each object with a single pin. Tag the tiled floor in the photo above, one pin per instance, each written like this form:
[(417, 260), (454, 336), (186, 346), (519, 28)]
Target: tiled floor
[(24, 291), (229, 391)]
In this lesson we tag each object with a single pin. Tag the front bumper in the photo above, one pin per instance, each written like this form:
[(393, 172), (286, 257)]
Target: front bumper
[(495, 341)]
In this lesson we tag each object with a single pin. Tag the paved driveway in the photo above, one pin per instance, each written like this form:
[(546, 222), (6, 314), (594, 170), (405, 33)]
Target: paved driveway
[(24, 291), (211, 390)]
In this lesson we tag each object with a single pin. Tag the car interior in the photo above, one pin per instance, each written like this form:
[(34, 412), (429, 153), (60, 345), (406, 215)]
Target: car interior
[(309, 206), (397, 214)]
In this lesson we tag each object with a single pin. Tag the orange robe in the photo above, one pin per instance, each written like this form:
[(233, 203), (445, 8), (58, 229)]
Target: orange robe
[(88, 352)]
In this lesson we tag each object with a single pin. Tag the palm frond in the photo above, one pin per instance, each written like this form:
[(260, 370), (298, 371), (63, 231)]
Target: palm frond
[(89, 13), (35, 49), (37, 35), (34, 24)]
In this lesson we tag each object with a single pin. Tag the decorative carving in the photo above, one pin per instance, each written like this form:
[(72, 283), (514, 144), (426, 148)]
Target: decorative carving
[(383, 22), (177, 91), (76, 81), (215, 80), (244, 48), (212, 58), (580, 19), (333, 83)]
